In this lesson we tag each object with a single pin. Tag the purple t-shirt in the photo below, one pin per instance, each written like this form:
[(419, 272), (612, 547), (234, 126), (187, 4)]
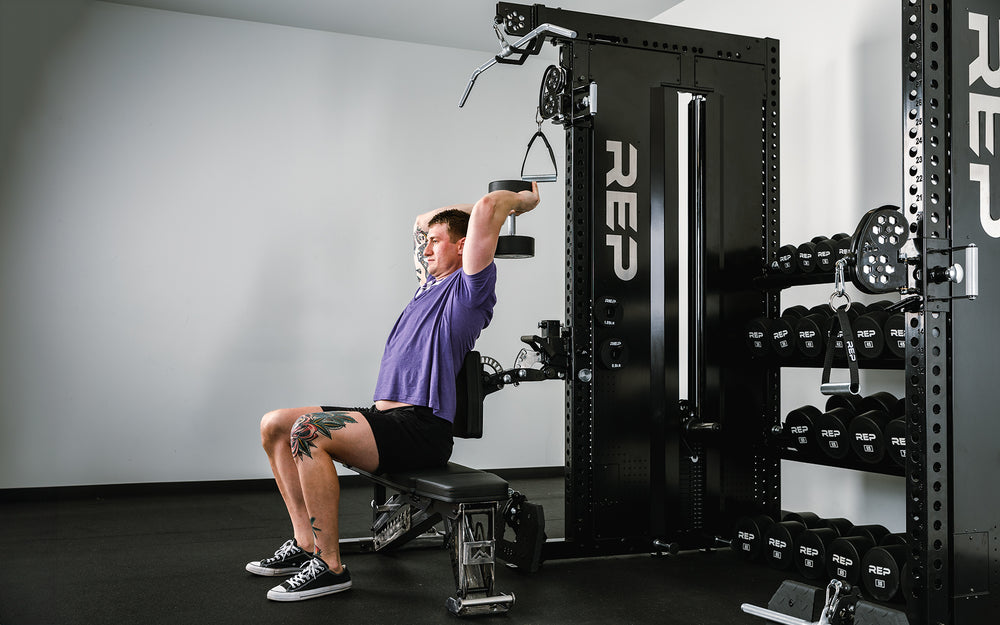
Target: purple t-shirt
[(433, 334)]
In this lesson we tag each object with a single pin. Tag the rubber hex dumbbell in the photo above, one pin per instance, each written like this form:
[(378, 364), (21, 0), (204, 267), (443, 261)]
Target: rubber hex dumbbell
[(894, 330), (853, 403), (882, 400), (809, 519), (877, 533), (748, 539), (829, 251), (779, 547), (882, 571), (894, 434), (811, 330), (846, 552), (812, 546), (800, 426), (832, 432), (869, 330), (782, 331), (784, 262), (805, 256), (758, 336), (893, 539), (867, 429)]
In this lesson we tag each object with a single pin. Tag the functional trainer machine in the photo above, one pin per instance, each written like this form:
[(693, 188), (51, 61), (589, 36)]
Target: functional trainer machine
[(666, 126)]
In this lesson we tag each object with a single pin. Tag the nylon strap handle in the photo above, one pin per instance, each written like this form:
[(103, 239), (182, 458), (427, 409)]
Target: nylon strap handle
[(844, 322), (841, 388)]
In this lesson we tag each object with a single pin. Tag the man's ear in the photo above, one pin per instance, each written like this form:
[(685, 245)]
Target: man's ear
[(461, 245)]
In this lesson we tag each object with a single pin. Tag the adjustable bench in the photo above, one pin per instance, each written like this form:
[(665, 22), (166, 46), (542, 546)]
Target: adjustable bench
[(467, 500)]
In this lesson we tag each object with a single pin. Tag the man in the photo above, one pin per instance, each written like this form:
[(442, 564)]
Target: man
[(410, 424)]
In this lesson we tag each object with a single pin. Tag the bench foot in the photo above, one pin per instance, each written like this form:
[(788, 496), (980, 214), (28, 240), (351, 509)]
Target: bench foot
[(474, 606)]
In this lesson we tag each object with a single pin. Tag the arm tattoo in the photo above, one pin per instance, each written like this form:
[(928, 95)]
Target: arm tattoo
[(419, 261), (310, 426)]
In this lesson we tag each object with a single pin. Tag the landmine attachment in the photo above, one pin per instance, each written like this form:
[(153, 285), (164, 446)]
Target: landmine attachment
[(801, 604)]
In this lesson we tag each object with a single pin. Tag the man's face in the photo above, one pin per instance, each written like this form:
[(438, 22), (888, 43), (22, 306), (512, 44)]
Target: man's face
[(443, 256)]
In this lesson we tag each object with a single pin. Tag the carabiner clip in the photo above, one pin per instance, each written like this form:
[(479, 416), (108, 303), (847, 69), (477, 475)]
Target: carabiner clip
[(839, 285)]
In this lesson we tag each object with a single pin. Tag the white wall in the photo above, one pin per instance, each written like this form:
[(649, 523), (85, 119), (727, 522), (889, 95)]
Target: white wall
[(841, 143), (202, 219)]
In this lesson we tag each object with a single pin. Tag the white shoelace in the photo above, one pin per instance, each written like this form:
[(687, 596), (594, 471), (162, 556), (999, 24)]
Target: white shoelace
[(287, 549), (309, 572)]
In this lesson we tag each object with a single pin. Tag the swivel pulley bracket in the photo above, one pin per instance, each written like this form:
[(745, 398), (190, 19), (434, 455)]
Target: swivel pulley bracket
[(524, 47)]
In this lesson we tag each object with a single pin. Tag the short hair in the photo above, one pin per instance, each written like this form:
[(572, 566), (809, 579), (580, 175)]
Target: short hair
[(456, 220)]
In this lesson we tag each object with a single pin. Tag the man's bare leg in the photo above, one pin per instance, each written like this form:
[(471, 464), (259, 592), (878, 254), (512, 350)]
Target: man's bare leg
[(317, 439), (275, 430)]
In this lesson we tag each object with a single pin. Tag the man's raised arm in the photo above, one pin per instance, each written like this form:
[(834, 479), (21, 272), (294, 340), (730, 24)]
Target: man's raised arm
[(485, 222)]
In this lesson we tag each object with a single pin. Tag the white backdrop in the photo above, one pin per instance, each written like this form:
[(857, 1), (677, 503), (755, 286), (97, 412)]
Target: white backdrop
[(204, 219)]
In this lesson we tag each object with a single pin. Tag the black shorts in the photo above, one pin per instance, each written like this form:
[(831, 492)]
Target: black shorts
[(410, 437)]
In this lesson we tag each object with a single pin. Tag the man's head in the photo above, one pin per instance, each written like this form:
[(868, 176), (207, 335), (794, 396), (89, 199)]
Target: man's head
[(457, 222), (445, 242)]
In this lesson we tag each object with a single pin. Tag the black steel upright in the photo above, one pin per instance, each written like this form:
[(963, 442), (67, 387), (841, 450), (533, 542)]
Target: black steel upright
[(951, 113)]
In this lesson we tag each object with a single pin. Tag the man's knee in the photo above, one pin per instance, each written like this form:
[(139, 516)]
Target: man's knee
[(276, 425)]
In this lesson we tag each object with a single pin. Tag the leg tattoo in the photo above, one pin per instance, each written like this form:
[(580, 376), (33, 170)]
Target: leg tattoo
[(310, 426), (315, 530)]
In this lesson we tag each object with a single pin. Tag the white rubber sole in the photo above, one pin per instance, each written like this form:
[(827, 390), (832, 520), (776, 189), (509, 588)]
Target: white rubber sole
[(280, 594), (256, 569)]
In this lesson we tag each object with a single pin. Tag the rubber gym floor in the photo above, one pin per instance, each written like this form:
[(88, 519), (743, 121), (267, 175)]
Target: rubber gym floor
[(176, 555)]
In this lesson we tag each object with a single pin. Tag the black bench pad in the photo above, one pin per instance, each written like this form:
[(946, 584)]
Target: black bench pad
[(451, 484)]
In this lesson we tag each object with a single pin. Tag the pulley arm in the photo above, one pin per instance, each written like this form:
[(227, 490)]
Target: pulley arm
[(524, 47)]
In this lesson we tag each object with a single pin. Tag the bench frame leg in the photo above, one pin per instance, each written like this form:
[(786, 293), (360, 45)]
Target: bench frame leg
[(472, 539)]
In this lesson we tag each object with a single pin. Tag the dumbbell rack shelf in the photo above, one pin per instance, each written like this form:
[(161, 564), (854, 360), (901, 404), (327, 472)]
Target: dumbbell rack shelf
[(778, 281), (839, 362), (885, 467)]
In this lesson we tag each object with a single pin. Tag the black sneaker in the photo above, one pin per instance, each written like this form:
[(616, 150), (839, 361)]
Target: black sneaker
[(287, 560), (314, 580)]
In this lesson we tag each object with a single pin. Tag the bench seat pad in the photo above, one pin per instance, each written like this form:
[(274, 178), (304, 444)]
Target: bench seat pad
[(453, 483)]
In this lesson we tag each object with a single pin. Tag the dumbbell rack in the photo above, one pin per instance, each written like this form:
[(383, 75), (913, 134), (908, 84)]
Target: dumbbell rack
[(951, 179)]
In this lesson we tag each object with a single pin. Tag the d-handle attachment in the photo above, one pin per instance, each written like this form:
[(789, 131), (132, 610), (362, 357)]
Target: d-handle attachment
[(540, 177)]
